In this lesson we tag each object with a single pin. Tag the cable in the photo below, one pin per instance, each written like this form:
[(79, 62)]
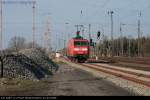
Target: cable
[(136, 11)]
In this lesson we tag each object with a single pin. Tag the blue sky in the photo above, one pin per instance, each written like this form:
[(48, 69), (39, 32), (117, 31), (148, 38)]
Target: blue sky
[(18, 18)]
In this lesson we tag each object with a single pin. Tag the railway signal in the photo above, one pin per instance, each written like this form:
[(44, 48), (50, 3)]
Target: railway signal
[(98, 35), (91, 42)]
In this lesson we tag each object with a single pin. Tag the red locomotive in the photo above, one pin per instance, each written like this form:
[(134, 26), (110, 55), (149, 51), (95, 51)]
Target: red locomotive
[(78, 49)]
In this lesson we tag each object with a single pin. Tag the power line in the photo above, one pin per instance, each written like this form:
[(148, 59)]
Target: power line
[(15, 2), (103, 6), (132, 14), (94, 5)]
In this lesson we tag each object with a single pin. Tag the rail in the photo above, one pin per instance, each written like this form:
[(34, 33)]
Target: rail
[(136, 77)]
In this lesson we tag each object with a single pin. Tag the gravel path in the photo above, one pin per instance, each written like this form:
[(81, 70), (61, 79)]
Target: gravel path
[(68, 81), (71, 81)]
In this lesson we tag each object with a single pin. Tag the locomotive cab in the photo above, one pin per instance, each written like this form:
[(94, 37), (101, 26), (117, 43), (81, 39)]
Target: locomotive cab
[(78, 49)]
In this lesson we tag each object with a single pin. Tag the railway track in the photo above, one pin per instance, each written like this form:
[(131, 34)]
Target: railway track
[(136, 76), (140, 78), (126, 70), (136, 60)]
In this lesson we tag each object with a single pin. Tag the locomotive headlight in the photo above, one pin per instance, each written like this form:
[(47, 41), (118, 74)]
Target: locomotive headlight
[(84, 49), (76, 49)]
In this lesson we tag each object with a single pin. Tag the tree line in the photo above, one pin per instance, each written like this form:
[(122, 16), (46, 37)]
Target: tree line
[(125, 46)]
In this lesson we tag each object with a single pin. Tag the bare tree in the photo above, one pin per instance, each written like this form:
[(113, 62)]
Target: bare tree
[(17, 43), (29, 45), (146, 46), (2, 66)]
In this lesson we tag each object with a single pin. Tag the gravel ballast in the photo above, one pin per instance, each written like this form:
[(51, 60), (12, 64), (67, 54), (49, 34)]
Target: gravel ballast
[(28, 64), (133, 88)]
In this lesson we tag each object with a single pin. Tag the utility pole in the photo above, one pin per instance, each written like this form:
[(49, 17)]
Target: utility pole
[(90, 37), (112, 39), (139, 34), (121, 39), (66, 38), (89, 32), (33, 28), (129, 48), (64, 46), (66, 34), (1, 19), (60, 45), (1, 26), (47, 36), (142, 49), (83, 31), (81, 26), (1, 41)]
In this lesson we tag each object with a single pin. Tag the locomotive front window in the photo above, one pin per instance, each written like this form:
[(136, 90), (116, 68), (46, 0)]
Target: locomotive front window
[(79, 43)]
